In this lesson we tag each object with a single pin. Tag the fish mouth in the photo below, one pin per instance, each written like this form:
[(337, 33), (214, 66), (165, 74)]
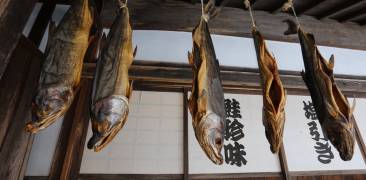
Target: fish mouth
[(108, 118), (273, 126), (211, 138), (99, 142), (49, 104), (342, 137)]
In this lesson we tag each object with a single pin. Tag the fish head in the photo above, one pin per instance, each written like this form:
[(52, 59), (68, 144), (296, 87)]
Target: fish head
[(210, 135), (48, 105), (342, 136), (274, 124), (108, 117)]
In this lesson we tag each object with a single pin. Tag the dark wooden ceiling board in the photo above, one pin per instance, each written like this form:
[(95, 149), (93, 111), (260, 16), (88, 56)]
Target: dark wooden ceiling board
[(329, 7), (268, 5), (359, 19), (302, 5), (172, 16), (350, 12)]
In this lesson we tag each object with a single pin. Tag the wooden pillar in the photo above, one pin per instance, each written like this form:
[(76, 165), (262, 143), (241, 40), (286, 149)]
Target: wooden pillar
[(70, 147), (40, 25), (16, 90), (283, 162), (13, 17), (185, 136)]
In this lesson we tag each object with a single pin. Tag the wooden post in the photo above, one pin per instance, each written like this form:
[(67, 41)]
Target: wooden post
[(13, 17), (283, 162), (185, 136), (70, 147), (40, 25), (17, 86)]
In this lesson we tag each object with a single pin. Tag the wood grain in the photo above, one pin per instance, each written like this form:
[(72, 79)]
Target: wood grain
[(69, 150), (16, 144), (175, 76), (13, 17), (173, 16)]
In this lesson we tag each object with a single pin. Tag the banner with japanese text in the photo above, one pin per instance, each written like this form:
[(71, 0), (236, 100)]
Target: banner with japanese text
[(307, 149)]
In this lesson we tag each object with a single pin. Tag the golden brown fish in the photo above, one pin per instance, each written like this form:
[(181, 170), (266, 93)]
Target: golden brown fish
[(112, 89), (206, 102), (61, 70), (274, 95), (332, 108)]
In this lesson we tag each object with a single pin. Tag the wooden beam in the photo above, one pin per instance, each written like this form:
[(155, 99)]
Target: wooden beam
[(158, 15), (13, 17), (42, 20), (349, 12), (69, 151), (15, 106), (329, 7), (234, 78), (185, 136)]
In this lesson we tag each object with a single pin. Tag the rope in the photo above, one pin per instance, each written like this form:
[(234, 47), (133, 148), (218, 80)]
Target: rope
[(203, 12), (247, 3), (293, 10), (123, 5)]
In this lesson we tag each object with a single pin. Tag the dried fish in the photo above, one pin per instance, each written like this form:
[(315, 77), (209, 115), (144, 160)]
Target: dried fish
[(206, 103), (274, 95), (61, 70), (332, 108), (112, 89)]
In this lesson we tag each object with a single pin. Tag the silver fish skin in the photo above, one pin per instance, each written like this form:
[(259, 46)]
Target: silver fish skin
[(112, 89), (61, 69), (206, 103)]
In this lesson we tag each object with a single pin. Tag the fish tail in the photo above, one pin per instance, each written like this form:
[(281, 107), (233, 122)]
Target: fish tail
[(292, 27)]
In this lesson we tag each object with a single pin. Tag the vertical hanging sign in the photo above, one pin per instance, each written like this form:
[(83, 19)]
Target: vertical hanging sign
[(234, 151)]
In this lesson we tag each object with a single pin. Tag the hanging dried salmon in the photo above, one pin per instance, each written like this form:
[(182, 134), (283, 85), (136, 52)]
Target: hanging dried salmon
[(61, 70), (112, 89), (206, 102), (274, 95), (332, 108)]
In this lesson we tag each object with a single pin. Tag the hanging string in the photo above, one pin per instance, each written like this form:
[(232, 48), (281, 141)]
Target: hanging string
[(247, 5), (122, 5), (288, 4), (203, 11)]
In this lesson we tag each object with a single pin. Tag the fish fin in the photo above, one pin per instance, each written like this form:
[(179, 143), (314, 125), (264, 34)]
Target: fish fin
[(292, 27), (51, 33), (191, 61), (52, 28), (129, 92), (352, 109), (135, 51), (331, 62)]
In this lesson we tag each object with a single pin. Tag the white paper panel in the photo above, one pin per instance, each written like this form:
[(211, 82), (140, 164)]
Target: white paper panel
[(150, 143), (360, 116), (299, 145), (258, 155)]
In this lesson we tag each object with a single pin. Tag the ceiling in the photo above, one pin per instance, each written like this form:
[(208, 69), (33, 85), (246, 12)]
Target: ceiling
[(353, 11)]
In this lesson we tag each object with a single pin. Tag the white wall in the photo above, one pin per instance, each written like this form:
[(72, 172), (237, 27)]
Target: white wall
[(150, 143)]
